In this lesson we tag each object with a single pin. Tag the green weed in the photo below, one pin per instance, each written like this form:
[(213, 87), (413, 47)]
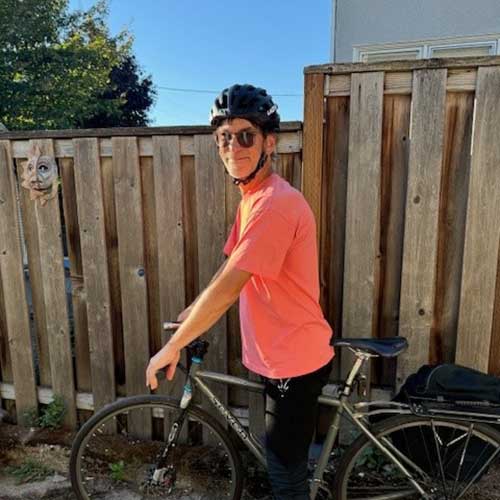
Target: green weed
[(117, 470), (30, 470)]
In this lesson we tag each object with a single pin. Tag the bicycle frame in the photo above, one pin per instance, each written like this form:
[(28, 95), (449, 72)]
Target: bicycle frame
[(357, 413)]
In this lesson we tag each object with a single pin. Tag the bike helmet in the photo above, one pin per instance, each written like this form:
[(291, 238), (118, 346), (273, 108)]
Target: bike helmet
[(246, 101)]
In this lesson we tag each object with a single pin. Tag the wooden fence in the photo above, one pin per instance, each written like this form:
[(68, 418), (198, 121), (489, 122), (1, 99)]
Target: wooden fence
[(142, 217), (402, 168), (401, 165)]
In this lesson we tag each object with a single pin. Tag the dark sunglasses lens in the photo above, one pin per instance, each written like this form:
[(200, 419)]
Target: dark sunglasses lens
[(245, 138), (223, 139)]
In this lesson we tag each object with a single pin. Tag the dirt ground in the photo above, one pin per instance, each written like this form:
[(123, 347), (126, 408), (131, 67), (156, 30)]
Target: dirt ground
[(52, 448)]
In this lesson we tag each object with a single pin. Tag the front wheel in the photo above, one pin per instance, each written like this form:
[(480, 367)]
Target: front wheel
[(116, 451), (450, 460)]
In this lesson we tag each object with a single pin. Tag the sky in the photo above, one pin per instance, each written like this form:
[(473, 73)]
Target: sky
[(207, 45)]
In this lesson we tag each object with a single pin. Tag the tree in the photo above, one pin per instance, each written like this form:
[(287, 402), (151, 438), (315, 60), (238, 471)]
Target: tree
[(134, 92), (56, 67)]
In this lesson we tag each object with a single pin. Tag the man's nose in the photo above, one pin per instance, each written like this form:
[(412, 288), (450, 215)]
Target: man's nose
[(234, 144)]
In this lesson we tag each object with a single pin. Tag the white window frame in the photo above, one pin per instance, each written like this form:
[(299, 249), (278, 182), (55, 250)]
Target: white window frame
[(426, 47), (492, 44)]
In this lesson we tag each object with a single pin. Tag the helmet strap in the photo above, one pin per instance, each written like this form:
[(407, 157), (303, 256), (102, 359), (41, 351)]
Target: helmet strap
[(248, 178)]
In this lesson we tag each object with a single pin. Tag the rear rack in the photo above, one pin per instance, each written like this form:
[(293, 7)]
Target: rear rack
[(470, 411)]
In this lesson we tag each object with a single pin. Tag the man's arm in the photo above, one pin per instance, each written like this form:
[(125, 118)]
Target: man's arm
[(212, 303)]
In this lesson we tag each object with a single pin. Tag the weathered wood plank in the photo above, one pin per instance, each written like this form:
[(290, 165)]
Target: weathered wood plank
[(288, 142), (410, 65), (313, 144), (89, 194), (452, 215), (13, 285), (190, 228), (395, 150), (35, 279), (49, 231), (129, 220), (78, 296), (289, 126), (362, 229), (482, 233), (211, 217), (459, 80), (334, 216), (170, 237), (108, 194), (421, 224), (151, 250), (5, 361)]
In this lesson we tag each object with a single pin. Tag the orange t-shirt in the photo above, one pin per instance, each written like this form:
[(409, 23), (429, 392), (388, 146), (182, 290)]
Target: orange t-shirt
[(283, 331)]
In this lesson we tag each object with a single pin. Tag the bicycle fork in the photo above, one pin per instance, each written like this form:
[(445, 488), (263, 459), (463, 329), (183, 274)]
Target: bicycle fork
[(164, 474)]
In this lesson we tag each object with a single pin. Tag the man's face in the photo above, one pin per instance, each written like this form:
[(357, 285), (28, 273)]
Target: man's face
[(240, 161)]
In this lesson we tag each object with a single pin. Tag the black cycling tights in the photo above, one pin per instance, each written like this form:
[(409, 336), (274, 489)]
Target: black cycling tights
[(291, 409)]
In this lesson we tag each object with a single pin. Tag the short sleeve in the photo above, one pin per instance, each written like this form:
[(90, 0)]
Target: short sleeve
[(263, 245), (231, 240)]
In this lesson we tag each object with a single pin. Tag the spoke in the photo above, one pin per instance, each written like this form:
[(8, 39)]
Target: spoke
[(438, 441), (479, 472), (462, 458)]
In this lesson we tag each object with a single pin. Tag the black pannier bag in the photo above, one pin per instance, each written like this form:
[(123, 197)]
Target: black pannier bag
[(449, 382), (457, 387)]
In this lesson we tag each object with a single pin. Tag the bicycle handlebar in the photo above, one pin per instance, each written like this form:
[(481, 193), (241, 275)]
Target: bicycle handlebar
[(171, 325)]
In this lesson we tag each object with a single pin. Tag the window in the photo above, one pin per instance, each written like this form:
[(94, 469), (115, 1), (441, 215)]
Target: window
[(458, 47)]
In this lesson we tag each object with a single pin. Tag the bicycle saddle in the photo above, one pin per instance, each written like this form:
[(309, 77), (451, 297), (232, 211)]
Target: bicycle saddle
[(387, 348)]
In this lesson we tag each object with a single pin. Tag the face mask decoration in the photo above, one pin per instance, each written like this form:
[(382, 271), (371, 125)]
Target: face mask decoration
[(40, 176)]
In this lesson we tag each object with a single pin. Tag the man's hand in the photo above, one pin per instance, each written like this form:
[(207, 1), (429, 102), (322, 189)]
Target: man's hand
[(168, 357)]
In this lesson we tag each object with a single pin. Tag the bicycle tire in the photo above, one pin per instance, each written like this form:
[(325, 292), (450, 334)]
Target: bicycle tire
[(449, 460), (206, 464)]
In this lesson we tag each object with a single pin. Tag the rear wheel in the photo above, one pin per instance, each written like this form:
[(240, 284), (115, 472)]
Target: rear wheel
[(449, 460), (116, 451)]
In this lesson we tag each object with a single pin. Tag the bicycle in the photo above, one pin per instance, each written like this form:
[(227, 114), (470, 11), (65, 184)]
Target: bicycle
[(414, 451)]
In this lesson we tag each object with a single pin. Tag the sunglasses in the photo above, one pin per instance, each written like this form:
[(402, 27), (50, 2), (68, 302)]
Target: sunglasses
[(245, 138)]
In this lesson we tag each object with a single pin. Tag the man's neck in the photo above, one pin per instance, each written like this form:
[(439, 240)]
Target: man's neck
[(262, 174)]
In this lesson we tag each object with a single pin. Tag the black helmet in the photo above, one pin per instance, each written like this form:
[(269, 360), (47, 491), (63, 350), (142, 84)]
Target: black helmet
[(248, 102)]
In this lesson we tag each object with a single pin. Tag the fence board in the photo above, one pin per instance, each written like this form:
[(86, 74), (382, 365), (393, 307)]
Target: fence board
[(110, 225), (482, 234), (42, 356), (49, 230), (452, 215), (169, 223), (79, 306), (5, 361), (129, 220), (363, 208), (12, 276), (88, 190), (421, 225), (333, 220), (313, 144), (190, 228), (151, 252), (211, 217), (395, 133)]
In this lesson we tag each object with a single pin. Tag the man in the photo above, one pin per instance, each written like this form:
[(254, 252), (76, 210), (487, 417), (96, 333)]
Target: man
[(272, 267)]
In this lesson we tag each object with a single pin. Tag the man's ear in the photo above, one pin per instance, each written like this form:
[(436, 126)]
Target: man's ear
[(270, 143)]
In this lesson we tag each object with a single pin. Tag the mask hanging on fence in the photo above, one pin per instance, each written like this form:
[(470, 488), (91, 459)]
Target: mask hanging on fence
[(40, 176)]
